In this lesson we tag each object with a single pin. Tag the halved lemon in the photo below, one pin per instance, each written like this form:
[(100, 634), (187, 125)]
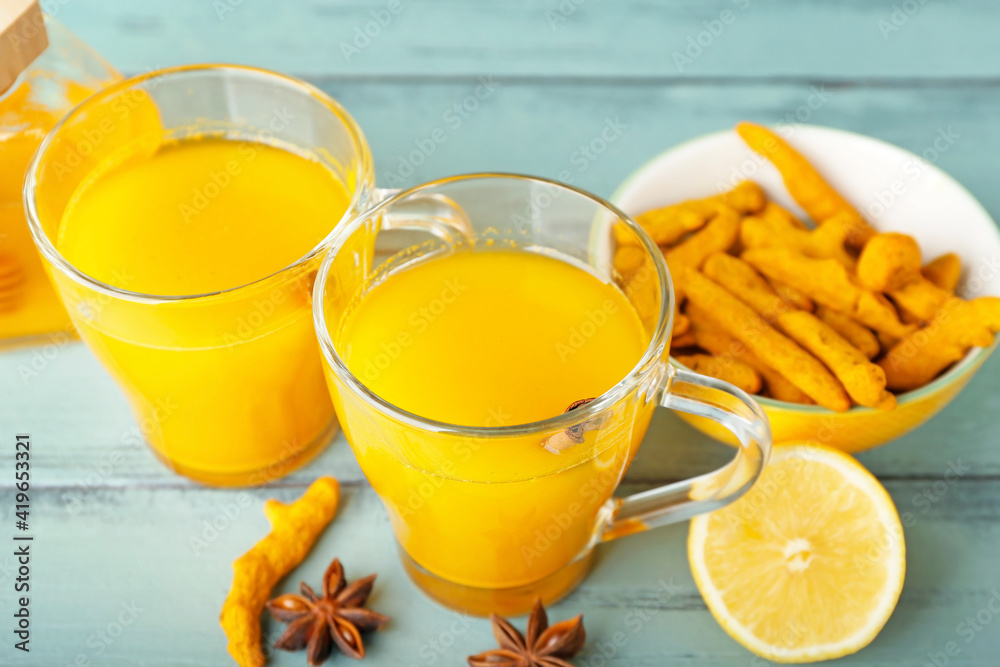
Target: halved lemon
[(809, 564)]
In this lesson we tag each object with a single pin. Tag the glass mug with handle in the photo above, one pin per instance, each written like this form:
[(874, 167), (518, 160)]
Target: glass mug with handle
[(220, 187), (497, 501)]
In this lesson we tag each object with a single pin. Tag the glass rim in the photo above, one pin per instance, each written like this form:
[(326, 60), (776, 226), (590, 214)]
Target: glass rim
[(364, 175), (652, 355)]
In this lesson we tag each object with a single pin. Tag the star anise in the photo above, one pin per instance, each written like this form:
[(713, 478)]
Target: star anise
[(338, 617), (544, 646)]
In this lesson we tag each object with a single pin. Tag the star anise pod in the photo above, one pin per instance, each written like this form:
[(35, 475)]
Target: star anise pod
[(338, 617), (544, 646)]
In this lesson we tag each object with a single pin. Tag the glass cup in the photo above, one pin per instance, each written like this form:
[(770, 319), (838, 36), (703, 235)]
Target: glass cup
[(63, 76), (490, 518), (227, 387)]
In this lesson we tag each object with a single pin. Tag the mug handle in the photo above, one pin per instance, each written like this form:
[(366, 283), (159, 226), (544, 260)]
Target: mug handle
[(725, 404), (433, 214)]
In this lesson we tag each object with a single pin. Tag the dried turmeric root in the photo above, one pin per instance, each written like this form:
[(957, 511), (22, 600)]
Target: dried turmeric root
[(864, 381), (793, 296), (891, 263), (718, 235), (958, 325), (749, 286), (294, 528), (858, 334), (729, 370), (724, 346), (809, 189), (944, 271), (771, 228), (829, 284), (773, 348), (668, 224)]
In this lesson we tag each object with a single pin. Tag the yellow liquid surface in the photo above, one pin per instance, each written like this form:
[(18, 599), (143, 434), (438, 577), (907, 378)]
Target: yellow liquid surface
[(231, 385), (491, 338), (200, 216)]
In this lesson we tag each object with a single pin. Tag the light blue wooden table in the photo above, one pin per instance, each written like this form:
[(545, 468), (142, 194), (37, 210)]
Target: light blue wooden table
[(117, 579)]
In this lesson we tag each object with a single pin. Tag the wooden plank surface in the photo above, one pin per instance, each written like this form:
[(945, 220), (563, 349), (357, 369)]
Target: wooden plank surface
[(132, 546), (115, 526), (849, 39)]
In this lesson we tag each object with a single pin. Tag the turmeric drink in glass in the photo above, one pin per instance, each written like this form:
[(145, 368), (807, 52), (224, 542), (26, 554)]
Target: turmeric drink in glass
[(183, 215), (495, 375)]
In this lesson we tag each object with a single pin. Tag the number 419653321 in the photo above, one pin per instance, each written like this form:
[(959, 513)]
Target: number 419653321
[(21, 480)]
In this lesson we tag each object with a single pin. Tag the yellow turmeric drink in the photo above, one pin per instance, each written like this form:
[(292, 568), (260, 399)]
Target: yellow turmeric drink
[(490, 338), (228, 387), (29, 305)]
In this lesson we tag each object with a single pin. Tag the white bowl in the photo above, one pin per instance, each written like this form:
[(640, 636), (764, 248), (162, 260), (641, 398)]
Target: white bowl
[(896, 190)]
